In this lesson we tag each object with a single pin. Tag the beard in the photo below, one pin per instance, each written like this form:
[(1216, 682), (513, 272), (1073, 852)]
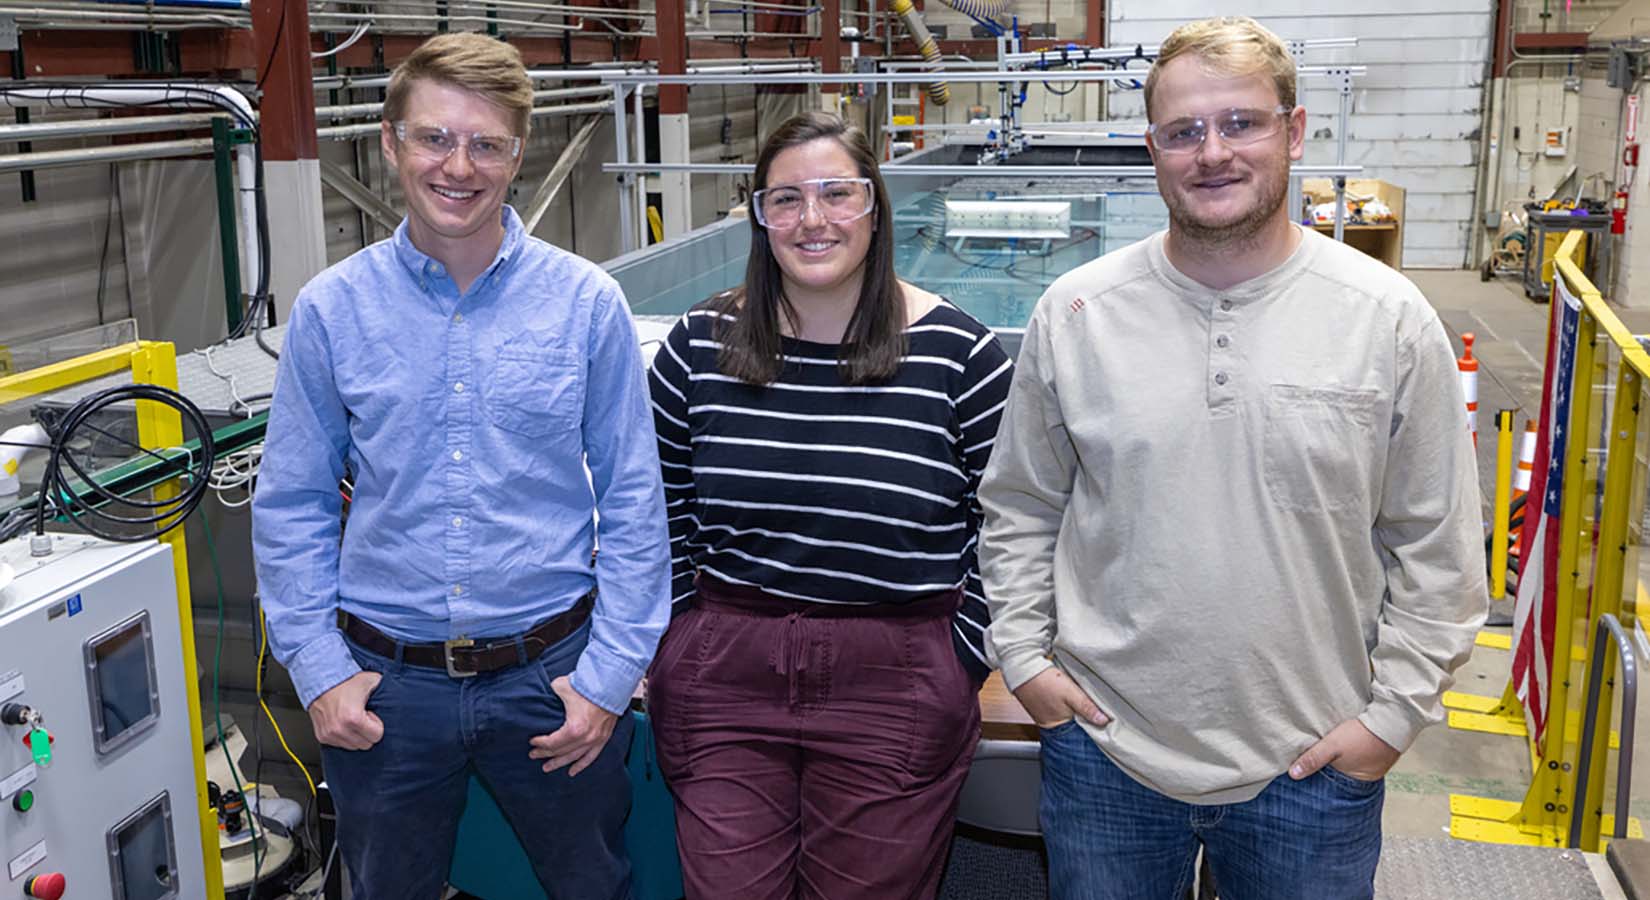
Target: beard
[(1271, 187)]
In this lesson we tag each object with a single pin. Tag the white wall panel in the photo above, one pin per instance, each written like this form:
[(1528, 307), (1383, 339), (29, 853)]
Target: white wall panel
[(1416, 113)]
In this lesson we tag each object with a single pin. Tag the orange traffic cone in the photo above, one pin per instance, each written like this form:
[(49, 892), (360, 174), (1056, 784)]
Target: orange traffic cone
[(1521, 483), (1469, 384)]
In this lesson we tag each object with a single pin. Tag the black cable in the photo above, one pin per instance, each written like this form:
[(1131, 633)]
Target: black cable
[(280, 27), (103, 255), (57, 491)]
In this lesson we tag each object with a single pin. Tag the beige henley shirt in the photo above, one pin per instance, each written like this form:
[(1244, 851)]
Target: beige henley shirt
[(1236, 518)]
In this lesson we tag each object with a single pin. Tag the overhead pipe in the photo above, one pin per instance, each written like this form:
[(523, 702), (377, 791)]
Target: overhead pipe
[(75, 128), (364, 129), (245, 5), (173, 95), (355, 82), (360, 110), (80, 156)]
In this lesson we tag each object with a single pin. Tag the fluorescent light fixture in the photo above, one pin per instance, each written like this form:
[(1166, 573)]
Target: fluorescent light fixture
[(1030, 219)]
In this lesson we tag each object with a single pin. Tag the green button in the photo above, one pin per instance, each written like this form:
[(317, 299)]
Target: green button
[(24, 801)]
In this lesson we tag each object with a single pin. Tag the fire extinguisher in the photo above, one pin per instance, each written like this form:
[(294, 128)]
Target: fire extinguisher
[(1618, 206)]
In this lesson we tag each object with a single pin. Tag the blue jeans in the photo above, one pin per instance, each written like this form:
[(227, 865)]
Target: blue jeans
[(399, 803), (1111, 838)]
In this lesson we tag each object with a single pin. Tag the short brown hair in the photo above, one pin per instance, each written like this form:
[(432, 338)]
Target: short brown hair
[(875, 338), (1232, 46), (474, 62)]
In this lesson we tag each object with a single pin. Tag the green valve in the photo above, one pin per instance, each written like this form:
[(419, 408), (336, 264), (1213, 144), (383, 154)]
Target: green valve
[(40, 744)]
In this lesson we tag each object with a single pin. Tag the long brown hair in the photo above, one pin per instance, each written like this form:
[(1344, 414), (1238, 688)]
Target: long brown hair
[(875, 337)]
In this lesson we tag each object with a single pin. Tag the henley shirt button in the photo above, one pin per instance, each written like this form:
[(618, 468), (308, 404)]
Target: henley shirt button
[(1225, 306), (1222, 341), (1220, 378)]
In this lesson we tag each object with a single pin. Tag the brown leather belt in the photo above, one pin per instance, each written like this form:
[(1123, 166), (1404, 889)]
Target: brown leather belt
[(464, 658)]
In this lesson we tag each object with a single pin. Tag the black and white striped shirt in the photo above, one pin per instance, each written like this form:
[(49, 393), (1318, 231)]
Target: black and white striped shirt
[(832, 493)]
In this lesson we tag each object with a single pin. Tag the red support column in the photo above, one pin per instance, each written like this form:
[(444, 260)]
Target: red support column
[(670, 17), (830, 42), (280, 31), (291, 165)]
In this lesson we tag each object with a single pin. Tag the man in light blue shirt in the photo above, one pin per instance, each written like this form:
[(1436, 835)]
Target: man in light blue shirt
[(464, 374)]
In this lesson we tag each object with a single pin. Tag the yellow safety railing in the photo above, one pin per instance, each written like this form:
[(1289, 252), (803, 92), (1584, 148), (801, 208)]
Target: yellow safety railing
[(159, 426), (1604, 468)]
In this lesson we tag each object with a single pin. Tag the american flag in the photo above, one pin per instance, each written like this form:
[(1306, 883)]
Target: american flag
[(1534, 614)]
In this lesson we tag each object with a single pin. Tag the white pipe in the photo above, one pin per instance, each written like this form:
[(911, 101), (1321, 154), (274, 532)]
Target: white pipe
[(174, 95), (246, 182), (11, 455)]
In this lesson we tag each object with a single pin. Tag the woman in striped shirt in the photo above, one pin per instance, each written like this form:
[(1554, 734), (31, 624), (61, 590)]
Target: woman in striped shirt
[(822, 432)]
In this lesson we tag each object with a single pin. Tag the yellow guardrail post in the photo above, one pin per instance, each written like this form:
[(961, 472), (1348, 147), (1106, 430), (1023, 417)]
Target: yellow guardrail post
[(1503, 502), (1615, 516), (1543, 817)]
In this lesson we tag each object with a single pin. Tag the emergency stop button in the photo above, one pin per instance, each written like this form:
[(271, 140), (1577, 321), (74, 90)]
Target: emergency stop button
[(45, 887)]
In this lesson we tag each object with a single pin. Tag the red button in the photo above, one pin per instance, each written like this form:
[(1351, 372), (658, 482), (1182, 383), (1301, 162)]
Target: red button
[(45, 887)]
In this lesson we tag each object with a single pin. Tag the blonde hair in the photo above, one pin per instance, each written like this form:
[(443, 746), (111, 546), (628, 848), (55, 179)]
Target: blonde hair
[(474, 62), (1231, 46)]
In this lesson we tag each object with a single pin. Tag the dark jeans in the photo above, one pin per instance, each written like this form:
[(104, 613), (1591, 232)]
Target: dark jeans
[(399, 803), (1111, 838), (812, 755)]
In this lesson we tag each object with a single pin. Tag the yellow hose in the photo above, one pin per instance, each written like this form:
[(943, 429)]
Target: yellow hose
[(938, 91)]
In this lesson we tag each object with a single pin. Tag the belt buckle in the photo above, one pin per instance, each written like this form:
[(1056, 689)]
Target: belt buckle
[(447, 648)]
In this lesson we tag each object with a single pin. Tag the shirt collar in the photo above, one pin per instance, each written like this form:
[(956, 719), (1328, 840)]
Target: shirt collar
[(1259, 287), (415, 260)]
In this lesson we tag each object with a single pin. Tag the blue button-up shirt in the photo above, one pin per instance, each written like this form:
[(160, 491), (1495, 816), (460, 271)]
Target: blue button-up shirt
[(467, 422)]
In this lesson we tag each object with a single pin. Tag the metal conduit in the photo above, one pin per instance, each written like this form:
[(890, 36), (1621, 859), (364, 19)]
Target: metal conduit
[(73, 128), (53, 159), (359, 110), (346, 82), (364, 129)]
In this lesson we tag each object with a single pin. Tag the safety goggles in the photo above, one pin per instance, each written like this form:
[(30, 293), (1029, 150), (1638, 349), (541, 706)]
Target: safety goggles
[(435, 143), (1235, 126), (839, 201)]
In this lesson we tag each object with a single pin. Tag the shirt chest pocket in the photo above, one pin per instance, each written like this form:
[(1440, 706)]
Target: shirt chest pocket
[(536, 390), (1319, 446)]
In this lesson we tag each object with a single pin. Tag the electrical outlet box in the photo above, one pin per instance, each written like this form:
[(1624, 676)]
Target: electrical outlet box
[(1557, 143)]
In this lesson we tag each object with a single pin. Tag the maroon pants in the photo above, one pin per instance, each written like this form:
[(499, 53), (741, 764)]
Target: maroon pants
[(814, 751)]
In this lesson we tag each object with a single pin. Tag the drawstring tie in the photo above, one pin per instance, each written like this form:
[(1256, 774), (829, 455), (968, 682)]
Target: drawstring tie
[(790, 658)]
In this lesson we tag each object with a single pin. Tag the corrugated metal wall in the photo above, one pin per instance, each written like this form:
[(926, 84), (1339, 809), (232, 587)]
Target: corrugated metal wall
[(1416, 113)]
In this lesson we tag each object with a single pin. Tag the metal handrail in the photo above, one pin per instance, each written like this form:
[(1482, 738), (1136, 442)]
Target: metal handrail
[(1609, 625)]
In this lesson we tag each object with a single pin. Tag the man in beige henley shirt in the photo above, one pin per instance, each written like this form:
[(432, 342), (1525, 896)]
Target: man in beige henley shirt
[(1232, 542)]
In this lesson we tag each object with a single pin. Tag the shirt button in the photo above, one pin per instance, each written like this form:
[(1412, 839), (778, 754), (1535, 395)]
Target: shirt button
[(1225, 306), (458, 521), (458, 589), (458, 455), (1222, 341), (430, 269), (1220, 378), (458, 317), (459, 387)]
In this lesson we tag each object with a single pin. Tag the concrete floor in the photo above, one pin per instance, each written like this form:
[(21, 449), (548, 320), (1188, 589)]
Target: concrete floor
[(1511, 342)]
